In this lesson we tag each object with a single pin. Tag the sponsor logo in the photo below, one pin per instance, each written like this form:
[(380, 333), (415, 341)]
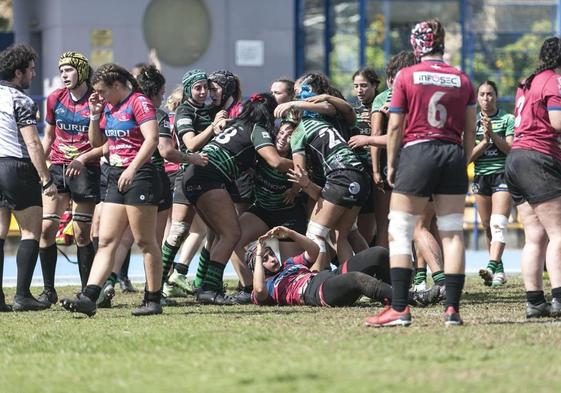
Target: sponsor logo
[(142, 197), (184, 122), (145, 106), (265, 135), (354, 188), (60, 110), (166, 124), (72, 128), (116, 133), (436, 79), (475, 188)]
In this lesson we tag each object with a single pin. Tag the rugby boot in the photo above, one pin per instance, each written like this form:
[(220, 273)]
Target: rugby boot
[(28, 303), (542, 310), (389, 317), (48, 297), (214, 297), (81, 303), (452, 317), (147, 308), (555, 309)]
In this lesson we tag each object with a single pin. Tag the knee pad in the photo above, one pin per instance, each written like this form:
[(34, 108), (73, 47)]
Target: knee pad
[(401, 229), (317, 233), (498, 225), (317, 230), (82, 217), (177, 233), (52, 217), (450, 222)]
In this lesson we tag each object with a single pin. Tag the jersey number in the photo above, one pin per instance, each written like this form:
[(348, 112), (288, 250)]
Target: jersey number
[(437, 109), (225, 136), (334, 137), (519, 104)]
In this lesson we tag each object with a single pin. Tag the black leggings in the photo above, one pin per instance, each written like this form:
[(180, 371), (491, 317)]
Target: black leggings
[(353, 279)]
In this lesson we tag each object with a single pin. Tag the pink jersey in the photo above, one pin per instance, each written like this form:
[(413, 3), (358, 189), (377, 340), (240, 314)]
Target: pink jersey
[(532, 129), (171, 167), (122, 127), (71, 120), (286, 287), (435, 97)]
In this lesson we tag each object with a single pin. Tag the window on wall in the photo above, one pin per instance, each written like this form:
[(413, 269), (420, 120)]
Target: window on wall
[(344, 58), (314, 30)]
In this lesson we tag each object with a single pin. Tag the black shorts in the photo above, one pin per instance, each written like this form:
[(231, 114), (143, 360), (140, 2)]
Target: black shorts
[(294, 218), (20, 186), (432, 168), (103, 178), (489, 184), (82, 188), (146, 187), (346, 188), (199, 179), (172, 176), (532, 176), (368, 205), (313, 294), (243, 190), (178, 193), (167, 195)]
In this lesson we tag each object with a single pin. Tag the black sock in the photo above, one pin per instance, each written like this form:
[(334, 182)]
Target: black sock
[(26, 259), (113, 278), (92, 291), (181, 268), (125, 268), (535, 298), (152, 296), (95, 242), (202, 268), (454, 287), (556, 293), (401, 279), (48, 256), (1, 270), (86, 256)]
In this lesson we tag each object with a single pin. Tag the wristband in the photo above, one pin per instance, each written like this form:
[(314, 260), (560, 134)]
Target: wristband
[(48, 184), (95, 117)]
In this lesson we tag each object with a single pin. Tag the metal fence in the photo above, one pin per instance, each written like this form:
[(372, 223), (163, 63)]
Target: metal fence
[(488, 39)]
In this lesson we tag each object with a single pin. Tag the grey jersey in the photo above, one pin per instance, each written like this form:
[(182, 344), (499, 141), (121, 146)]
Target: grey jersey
[(17, 111)]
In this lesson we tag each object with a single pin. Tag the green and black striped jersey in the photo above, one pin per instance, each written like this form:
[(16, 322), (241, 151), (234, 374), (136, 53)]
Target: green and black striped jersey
[(493, 159), (233, 150), (269, 186), (384, 98), (163, 131), (324, 146), (190, 118)]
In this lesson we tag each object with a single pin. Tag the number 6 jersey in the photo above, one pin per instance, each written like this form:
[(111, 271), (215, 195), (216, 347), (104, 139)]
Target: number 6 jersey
[(435, 96)]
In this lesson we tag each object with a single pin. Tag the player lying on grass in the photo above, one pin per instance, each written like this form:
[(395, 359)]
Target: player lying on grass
[(296, 282)]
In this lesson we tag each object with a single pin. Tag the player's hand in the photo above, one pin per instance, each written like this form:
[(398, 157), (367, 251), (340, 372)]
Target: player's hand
[(96, 102), (74, 168), (357, 141), (125, 180)]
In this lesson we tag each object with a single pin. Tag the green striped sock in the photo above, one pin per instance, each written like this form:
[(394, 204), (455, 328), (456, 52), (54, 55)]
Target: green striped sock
[(500, 268), (202, 268), (213, 277), (168, 255), (420, 275), (438, 278), (492, 265)]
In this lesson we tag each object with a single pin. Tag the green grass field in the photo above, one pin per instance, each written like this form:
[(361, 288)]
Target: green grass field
[(195, 348)]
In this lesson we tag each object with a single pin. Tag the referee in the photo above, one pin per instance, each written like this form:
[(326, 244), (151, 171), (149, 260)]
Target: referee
[(23, 172)]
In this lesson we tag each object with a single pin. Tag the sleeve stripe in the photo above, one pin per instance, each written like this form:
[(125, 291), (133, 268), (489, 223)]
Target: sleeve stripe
[(395, 109)]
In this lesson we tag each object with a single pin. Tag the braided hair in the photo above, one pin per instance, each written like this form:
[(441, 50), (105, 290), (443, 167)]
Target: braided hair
[(550, 58), (150, 80), (110, 73)]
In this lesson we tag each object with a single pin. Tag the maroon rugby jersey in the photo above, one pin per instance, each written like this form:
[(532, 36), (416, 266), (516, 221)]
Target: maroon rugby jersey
[(71, 120), (434, 95), (532, 129), (122, 127)]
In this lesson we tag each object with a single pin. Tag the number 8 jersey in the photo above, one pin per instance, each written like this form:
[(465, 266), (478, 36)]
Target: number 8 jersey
[(435, 96)]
